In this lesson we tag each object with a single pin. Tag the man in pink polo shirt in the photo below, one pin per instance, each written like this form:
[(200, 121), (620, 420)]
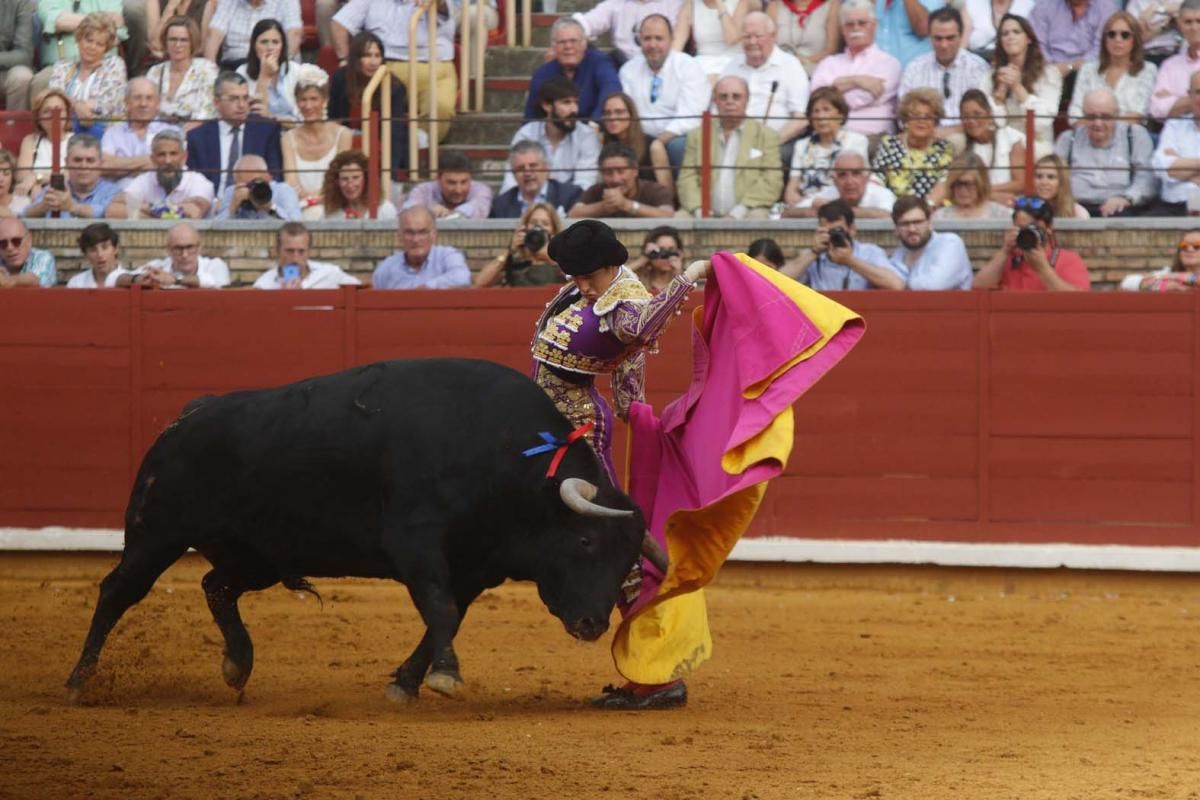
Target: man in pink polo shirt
[(1170, 95), (866, 76)]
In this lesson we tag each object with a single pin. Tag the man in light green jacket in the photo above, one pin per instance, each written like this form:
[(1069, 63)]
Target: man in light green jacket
[(747, 178)]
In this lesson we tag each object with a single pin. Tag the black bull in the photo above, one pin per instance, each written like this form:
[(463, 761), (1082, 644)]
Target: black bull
[(410, 470)]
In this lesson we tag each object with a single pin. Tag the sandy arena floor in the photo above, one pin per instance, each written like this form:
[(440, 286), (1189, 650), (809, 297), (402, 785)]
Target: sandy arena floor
[(917, 683)]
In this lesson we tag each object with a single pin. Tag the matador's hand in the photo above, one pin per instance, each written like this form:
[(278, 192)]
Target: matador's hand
[(696, 271)]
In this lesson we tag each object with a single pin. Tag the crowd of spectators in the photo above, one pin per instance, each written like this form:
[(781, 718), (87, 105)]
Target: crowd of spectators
[(838, 109)]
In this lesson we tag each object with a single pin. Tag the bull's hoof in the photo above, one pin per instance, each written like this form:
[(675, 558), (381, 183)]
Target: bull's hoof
[(401, 696), (234, 674), (74, 695), (445, 683)]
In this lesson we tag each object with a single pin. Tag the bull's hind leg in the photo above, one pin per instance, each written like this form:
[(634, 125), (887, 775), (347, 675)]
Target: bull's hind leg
[(222, 595), (126, 585)]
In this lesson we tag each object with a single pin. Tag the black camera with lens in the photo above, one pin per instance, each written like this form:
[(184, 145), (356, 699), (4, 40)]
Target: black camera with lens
[(260, 192), (659, 254), (839, 237), (1030, 237), (536, 238)]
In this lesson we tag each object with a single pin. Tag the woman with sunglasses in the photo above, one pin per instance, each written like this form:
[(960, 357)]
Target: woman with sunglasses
[(970, 192), (1182, 276), (1122, 68), (1030, 258), (1021, 80)]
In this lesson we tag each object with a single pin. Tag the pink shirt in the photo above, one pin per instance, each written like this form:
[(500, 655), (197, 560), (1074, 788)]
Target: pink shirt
[(1173, 77), (869, 115)]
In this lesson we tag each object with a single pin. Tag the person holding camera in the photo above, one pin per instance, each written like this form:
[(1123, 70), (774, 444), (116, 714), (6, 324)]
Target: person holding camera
[(254, 195), (837, 260), (527, 261), (661, 259), (82, 193), (295, 270), (1030, 258)]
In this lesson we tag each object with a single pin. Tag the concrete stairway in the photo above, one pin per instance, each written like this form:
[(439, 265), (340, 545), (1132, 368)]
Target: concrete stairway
[(486, 136)]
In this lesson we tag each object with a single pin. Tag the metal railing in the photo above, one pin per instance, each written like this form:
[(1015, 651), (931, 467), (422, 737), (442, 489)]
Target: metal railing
[(377, 138), (414, 126), (474, 32)]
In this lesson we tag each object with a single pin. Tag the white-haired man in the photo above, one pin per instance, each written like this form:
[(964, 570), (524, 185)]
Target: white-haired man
[(126, 145), (866, 76), (778, 82)]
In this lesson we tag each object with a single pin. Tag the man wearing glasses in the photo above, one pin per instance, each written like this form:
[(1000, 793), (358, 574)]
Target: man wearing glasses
[(1030, 258), (949, 69), (214, 147), (778, 81), (1111, 172), (591, 71), (185, 267), (927, 260), (21, 264), (422, 263)]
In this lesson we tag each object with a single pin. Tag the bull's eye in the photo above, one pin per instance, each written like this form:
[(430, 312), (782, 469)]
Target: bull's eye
[(585, 542)]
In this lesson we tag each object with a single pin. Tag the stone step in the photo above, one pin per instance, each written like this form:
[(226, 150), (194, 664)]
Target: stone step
[(505, 93), (483, 129), (514, 60)]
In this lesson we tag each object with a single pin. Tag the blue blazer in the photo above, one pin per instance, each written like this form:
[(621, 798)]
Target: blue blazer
[(260, 137), (560, 195)]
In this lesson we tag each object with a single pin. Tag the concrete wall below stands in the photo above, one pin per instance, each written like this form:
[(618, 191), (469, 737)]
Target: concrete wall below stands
[(1111, 248)]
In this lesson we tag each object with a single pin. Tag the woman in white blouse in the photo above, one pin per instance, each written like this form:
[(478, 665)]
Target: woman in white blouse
[(1122, 68), (1021, 81), (185, 80), (270, 75), (716, 27)]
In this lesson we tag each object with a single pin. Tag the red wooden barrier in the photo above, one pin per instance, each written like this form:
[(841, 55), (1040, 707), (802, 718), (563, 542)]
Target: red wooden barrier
[(961, 417)]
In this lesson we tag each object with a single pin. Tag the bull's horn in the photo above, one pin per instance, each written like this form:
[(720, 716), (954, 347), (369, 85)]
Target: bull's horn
[(654, 553), (577, 494)]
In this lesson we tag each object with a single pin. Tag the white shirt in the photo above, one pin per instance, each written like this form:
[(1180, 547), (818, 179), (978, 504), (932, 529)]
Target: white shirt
[(321, 275), (623, 18), (684, 93), (236, 20), (212, 272), (983, 26), (965, 72), (724, 196), (87, 278), (1182, 138), (875, 196), (145, 188), (573, 160), (791, 87)]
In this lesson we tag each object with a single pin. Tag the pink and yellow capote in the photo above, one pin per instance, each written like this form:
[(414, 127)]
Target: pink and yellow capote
[(699, 471)]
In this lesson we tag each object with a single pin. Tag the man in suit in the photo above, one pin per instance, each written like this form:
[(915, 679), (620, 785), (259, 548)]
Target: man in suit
[(214, 147), (529, 164), (747, 179)]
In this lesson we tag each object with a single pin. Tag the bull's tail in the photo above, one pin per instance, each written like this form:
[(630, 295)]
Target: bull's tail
[(297, 583)]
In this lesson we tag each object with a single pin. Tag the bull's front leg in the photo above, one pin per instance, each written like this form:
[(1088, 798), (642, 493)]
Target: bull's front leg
[(434, 661)]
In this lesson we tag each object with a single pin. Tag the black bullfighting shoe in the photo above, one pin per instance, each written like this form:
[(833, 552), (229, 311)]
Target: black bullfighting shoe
[(635, 697)]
